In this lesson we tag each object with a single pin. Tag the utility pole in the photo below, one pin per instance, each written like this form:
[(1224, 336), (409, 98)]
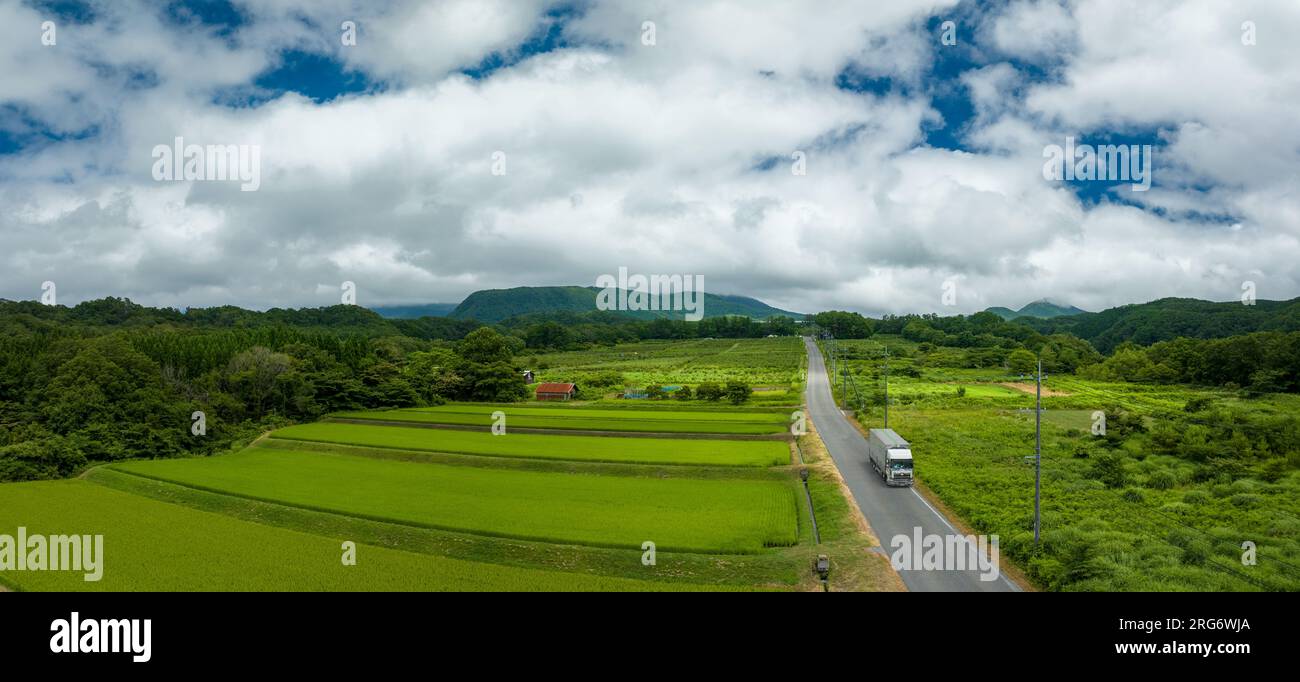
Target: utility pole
[(1038, 446), (1038, 449)]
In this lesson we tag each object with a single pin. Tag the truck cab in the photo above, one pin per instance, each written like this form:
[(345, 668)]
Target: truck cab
[(899, 470), (890, 456)]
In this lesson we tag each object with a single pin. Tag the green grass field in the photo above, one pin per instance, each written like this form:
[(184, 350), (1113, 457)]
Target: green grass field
[(587, 419), (151, 545), (736, 516), (555, 447), (1163, 521)]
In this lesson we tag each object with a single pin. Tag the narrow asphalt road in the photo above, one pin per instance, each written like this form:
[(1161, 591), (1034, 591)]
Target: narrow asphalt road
[(890, 511)]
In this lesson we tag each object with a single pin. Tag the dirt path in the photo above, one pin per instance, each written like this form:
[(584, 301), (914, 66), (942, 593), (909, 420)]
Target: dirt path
[(1029, 388)]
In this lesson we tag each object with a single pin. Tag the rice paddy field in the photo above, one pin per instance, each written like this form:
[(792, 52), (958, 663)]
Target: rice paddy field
[(1138, 510), (560, 447), (156, 546), (682, 514), (669, 497), (590, 419)]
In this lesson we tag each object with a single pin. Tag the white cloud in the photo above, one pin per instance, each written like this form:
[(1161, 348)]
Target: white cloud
[(1035, 29), (673, 158)]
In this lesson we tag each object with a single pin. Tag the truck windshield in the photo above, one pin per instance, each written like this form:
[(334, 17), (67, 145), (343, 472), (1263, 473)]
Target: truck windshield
[(900, 464)]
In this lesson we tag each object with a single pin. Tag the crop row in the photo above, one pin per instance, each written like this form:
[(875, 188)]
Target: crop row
[(708, 452), (156, 546)]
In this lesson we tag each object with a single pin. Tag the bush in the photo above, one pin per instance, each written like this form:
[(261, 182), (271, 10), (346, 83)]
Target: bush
[(1274, 469), (738, 392), (605, 379), (1161, 480), (1108, 468), (1246, 500), (709, 391), (1197, 404), (1022, 362)]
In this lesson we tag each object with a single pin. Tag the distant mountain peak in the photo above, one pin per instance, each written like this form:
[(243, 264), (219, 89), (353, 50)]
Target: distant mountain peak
[(1042, 308), (495, 305)]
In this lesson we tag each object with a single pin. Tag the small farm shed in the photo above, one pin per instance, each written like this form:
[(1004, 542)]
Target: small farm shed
[(529, 378), (556, 391)]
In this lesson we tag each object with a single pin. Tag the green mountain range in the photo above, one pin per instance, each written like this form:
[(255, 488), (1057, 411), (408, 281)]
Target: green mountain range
[(494, 305), (1041, 308), (1170, 318)]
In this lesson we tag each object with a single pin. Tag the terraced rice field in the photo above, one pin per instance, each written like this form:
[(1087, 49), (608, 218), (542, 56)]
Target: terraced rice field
[(462, 509), (684, 514), (587, 419), (554, 447), (152, 545)]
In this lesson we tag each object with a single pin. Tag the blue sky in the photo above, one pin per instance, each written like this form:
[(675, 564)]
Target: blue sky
[(924, 160), (322, 76)]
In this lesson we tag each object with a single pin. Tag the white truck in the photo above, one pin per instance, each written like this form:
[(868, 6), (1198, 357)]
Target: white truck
[(890, 456)]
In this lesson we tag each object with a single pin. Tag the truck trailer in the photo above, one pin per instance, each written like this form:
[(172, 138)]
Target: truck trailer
[(890, 456)]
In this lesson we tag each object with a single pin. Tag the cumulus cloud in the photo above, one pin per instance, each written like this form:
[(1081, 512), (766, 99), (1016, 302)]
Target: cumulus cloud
[(666, 158)]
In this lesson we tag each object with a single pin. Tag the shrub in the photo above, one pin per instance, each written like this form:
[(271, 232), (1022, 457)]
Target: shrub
[(1108, 468), (1246, 500), (1274, 469), (1161, 480), (1197, 404), (738, 392), (605, 379), (709, 391)]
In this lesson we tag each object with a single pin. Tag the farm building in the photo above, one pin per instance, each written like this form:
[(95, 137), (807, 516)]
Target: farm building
[(556, 391), (529, 378)]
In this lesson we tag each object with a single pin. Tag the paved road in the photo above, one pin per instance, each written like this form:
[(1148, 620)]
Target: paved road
[(891, 511)]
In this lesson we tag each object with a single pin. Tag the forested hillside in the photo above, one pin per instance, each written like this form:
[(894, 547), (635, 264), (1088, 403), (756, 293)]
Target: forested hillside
[(495, 305), (1169, 318)]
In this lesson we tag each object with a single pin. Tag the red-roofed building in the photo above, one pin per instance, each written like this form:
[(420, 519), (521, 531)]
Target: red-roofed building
[(556, 391)]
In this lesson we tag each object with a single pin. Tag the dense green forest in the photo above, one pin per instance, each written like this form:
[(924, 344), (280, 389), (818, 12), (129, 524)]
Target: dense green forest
[(1170, 318), (109, 379)]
